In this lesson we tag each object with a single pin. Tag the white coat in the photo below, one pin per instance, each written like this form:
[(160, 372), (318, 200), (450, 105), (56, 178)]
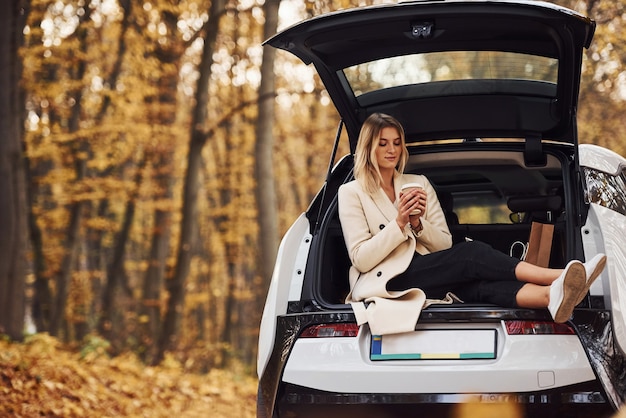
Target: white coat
[(380, 250)]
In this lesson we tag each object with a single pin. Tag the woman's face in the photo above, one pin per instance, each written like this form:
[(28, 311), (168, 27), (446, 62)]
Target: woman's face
[(389, 148)]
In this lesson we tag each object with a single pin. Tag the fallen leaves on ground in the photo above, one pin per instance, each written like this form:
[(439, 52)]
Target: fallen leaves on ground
[(40, 378)]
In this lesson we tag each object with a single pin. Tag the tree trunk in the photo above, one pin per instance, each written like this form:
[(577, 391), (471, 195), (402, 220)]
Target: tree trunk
[(96, 256), (226, 336), (67, 266), (42, 300), (150, 313), (162, 112), (103, 293), (13, 214), (198, 137), (264, 147), (81, 153), (116, 272)]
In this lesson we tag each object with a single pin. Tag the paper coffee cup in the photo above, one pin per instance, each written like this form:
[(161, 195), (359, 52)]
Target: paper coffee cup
[(407, 188)]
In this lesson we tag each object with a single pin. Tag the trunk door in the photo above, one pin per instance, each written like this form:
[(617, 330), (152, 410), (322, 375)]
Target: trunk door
[(450, 69)]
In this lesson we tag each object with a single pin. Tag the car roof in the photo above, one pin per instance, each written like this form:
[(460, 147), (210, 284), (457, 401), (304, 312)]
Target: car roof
[(456, 108)]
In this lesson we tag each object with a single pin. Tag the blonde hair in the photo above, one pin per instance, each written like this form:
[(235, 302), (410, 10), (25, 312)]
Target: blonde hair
[(366, 170)]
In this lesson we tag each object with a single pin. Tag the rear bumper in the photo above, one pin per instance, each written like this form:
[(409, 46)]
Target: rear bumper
[(584, 400), (524, 363), (279, 390)]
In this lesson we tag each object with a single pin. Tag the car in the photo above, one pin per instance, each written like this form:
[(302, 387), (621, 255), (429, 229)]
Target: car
[(487, 92)]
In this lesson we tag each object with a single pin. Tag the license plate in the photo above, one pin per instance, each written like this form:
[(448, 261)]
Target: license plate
[(436, 344)]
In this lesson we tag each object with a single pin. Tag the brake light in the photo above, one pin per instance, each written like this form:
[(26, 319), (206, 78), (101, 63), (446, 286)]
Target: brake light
[(331, 330), (537, 328)]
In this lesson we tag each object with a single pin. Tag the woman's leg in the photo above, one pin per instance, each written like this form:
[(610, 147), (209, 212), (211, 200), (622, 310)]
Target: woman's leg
[(560, 298), (511, 294), (533, 296), (530, 273), (442, 271)]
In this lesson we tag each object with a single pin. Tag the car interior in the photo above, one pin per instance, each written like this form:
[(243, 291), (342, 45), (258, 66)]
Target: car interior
[(491, 194)]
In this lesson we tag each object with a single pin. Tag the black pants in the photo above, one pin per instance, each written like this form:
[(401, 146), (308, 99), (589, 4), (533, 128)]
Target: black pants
[(473, 271)]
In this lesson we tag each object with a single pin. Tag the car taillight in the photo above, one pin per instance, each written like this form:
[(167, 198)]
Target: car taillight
[(330, 330), (537, 328)]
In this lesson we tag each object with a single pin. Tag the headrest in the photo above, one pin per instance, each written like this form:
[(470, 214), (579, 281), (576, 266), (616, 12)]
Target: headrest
[(534, 203), (446, 201)]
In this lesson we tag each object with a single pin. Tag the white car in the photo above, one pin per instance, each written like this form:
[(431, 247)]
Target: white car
[(487, 92)]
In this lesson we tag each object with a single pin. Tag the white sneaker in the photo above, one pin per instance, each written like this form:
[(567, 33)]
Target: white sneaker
[(565, 290), (593, 268)]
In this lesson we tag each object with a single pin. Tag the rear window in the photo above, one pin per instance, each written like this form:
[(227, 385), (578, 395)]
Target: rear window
[(481, 208), (447, 66)]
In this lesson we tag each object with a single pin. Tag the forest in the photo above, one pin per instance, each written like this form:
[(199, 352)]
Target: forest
[(153, 154)]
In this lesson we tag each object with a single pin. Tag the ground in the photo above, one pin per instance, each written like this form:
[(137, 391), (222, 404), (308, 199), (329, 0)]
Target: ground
[(40, 378)]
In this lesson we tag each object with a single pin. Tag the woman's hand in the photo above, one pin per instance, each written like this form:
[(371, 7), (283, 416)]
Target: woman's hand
[(414, 200)]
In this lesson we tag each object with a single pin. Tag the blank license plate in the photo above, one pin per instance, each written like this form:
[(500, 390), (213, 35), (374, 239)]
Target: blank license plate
[(435, 344)]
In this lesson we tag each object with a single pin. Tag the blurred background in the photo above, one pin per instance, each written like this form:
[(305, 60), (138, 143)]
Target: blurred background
[(166, 152)]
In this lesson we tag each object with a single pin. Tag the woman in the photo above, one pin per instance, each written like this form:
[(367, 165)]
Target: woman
[(398, 258)]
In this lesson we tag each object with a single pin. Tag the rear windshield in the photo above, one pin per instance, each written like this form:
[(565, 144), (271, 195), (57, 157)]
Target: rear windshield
[(481, 208), (449, 65)]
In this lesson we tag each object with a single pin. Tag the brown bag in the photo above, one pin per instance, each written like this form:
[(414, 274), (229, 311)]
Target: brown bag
[(540, 244)]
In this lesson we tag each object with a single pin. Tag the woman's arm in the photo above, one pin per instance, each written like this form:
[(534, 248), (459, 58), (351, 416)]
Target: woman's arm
[(435, 234), (365, 249)]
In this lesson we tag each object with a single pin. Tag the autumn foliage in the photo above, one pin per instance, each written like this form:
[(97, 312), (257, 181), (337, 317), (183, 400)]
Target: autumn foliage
[(43, 378), (140, 147)]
